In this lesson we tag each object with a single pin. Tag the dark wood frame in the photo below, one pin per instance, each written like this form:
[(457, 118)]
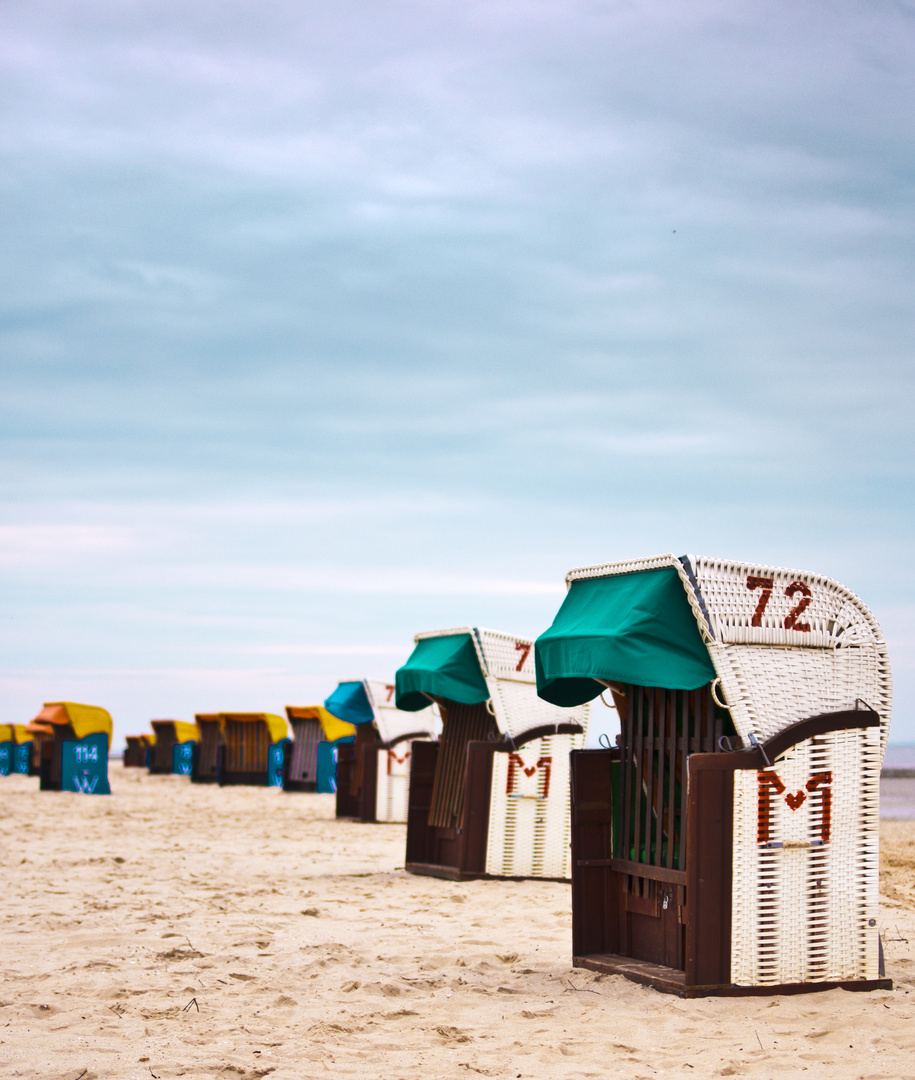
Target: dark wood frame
[(50, 765), (135, 752), (702, 891), (458, 854), (160, 753), (364, 805), (202, 772), (357, 799)]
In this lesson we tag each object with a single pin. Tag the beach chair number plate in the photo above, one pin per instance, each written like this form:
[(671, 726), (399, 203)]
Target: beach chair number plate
[(796, 588)]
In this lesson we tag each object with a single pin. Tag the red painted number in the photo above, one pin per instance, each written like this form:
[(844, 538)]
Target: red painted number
[(390, 690), (525, 649), (791, 619), (764, 583)]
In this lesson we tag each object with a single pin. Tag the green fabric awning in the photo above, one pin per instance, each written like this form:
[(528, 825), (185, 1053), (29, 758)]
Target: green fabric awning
[(445, 667), (631, 628)]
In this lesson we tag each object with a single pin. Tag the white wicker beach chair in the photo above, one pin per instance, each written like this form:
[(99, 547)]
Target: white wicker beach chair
[(397, 730), (508, 800), (733, 836)]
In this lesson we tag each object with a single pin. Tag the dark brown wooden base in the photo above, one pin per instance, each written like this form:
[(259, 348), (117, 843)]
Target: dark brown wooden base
[(356, 799), (300, 785), (449, 873), (671, 981), (258, 779)]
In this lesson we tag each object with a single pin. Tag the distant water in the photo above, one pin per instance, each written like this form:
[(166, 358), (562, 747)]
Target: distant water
[(900, 755), (897, 793), (897, 798)]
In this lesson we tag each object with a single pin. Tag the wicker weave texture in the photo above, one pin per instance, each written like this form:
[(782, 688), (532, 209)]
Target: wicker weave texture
[(787, 645), (806, 911), (393, 788), (394, 723), (508, 666), (530, 814)]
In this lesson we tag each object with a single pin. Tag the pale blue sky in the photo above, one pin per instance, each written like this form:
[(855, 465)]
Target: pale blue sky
[(324, 324)]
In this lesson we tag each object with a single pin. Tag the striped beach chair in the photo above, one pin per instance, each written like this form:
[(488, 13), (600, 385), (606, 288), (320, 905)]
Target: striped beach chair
[(254, 748), (728, 844), (173, 749), (491, 798), (135, 752), (310, 725), (207, 752)]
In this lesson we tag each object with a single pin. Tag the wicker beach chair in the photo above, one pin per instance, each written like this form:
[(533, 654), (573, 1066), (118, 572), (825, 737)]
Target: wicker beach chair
[(397, 730), (72, 744), (7, 749), (308, 723), (207, 752), (356, 775), (254, 749), (491, 798), (728, 844), (173, 750), (373, 772), (22, 750), (312, 759), (135, 752)]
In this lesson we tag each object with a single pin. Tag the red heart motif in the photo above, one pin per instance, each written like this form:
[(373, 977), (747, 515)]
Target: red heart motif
[(530, 772), (794, 801)]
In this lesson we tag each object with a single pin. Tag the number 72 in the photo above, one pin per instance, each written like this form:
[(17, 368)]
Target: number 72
[(792, 619)]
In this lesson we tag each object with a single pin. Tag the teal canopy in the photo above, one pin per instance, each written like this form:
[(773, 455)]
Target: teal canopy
[(630, 628), (350, 702), (445, 667)]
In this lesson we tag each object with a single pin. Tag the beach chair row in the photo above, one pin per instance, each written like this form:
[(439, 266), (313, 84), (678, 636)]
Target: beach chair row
[(725, 842)]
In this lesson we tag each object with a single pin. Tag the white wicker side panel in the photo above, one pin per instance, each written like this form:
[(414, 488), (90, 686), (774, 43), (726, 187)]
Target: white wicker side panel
[(393, 723), (805, 883), (530, 813), (769, 687), (517, 709), (393, 788)]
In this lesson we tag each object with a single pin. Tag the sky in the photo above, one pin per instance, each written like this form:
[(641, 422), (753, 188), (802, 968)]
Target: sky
[(325, 324)]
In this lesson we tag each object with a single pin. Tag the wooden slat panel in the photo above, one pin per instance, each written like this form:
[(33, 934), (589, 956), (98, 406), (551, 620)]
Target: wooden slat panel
[(709, 871), (461, 724), (303, 766), (595, 889), (422, 775), (478, 785)]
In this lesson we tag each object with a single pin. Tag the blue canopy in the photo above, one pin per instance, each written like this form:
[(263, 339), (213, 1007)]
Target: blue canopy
[(350, 702)]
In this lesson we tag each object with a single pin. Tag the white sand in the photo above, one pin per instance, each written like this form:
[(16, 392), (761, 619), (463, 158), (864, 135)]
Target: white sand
[(309, 954)]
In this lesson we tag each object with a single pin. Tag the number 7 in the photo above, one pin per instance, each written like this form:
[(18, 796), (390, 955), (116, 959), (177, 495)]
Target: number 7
[(766, 584), (524, 648)]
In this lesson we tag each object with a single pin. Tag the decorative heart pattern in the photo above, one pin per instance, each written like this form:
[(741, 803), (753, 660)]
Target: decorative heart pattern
[(796, 800), (769, 784)]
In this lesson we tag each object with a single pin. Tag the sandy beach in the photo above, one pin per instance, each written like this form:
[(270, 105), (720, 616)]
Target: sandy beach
[(177, 930)]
